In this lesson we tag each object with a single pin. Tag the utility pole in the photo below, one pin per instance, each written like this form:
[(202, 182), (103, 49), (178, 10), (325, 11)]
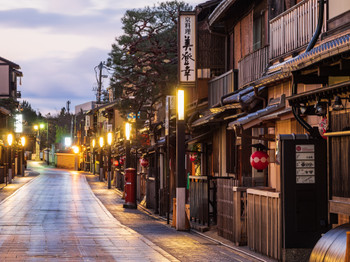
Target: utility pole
[(100, 67), (68, 103)]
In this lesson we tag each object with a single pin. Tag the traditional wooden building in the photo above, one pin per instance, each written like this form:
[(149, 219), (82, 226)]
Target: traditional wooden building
[(290, 59)]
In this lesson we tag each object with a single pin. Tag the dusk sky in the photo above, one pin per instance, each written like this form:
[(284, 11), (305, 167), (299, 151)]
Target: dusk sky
[(58, 43)]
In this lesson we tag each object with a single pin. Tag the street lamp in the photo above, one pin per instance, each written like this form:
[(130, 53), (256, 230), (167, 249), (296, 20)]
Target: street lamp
[(127, 144), (9, 142), (130, 174), (76, 152), (109, 141), (37, 147), (180, 162), (93, 155), (23, 143), (101, 142)]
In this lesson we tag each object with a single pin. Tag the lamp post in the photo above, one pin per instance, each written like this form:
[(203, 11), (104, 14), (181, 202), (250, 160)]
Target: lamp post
[(101, 142), (76, 157), (130, 175), (23, 143), (93, 156), (180, 163), (10, 141), (37, 146), (127, 145), (109, 141)]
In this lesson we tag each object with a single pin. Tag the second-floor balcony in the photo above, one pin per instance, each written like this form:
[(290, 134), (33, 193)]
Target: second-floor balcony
[(294, 28), (252, 67), (220, 86)]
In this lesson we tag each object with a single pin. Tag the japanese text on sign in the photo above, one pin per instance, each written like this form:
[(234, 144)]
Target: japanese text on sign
[(187, 48)]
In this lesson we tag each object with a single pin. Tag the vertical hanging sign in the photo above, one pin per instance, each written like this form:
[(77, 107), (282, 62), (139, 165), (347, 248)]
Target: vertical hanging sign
[(187, 48)]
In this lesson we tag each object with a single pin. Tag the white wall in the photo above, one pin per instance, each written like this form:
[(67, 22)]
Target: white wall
[(338, 7)]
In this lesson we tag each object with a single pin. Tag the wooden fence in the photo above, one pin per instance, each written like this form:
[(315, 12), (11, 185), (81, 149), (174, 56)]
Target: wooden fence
[(226, 207), (199, 199), (264, 222)]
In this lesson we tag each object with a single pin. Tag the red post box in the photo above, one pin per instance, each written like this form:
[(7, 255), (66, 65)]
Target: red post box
[(130, 188)]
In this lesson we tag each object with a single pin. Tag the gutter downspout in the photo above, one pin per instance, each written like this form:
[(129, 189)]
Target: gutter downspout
[(318, 28), (311, 44)]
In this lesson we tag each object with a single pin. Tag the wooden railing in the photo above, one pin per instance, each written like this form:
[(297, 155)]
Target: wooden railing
[(220, 86), (293, 28), (252, 67), (264, 222)]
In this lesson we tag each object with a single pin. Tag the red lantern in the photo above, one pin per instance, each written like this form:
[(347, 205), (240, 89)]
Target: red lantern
[(193, 157), (143, 162), (116, 163), (121, 161), (259, 160)]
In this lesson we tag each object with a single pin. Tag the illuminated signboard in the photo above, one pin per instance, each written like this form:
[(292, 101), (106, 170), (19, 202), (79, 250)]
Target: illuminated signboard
[(187, 47)]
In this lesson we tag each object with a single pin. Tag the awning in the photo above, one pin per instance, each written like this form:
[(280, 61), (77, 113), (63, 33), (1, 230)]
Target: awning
[(283, 70), (199, 138), (205, 119), (319, 93), (253, 119), (279, 114), (316, 54), (5, 111), (241, 98)]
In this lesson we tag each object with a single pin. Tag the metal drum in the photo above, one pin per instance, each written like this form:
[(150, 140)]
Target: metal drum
[(331, 246)]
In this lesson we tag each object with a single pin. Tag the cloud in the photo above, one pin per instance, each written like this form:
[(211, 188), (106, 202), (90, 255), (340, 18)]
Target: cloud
[(60, 80), (58, 43), (57, 23)]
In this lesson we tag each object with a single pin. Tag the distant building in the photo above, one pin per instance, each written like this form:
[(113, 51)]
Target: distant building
[(85, 107), (9, 71)]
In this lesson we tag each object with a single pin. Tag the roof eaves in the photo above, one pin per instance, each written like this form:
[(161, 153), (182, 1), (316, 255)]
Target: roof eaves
[(219, 10)]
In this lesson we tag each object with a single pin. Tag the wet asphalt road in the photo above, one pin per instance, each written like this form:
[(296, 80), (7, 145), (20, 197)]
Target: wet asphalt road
[(57, 217)]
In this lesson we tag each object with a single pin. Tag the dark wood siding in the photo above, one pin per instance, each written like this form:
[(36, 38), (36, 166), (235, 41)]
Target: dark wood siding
[(340, 156), (230, 152)]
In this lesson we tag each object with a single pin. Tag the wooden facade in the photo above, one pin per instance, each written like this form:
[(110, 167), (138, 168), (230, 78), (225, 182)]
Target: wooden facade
[(262, 63)]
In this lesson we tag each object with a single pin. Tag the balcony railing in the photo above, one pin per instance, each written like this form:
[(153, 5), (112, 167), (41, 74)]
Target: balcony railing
[(252, 67), (220, 86), (293, 28)]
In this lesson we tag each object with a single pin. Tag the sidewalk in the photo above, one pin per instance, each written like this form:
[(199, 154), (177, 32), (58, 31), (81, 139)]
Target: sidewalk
[(17, 182), (145, 222)]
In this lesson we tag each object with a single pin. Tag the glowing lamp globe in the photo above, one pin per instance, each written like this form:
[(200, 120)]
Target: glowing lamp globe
[(259, 160), (115, 163), (143, 162)]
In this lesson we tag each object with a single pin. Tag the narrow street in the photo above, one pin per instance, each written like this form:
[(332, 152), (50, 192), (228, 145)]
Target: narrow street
[(57, 217)]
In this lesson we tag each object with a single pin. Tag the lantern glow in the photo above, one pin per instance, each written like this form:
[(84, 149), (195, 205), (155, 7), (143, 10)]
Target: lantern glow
[(109, 138), (10, 139), (180, 104), (127, 131), (23, 141), (101, 142)]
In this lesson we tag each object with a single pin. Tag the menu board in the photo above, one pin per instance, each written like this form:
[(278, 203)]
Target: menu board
[(305, 164)]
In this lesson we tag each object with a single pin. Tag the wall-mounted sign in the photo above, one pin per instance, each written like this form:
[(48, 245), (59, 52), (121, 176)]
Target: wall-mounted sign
[(187, 47), (305, 164), (18, 123)]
